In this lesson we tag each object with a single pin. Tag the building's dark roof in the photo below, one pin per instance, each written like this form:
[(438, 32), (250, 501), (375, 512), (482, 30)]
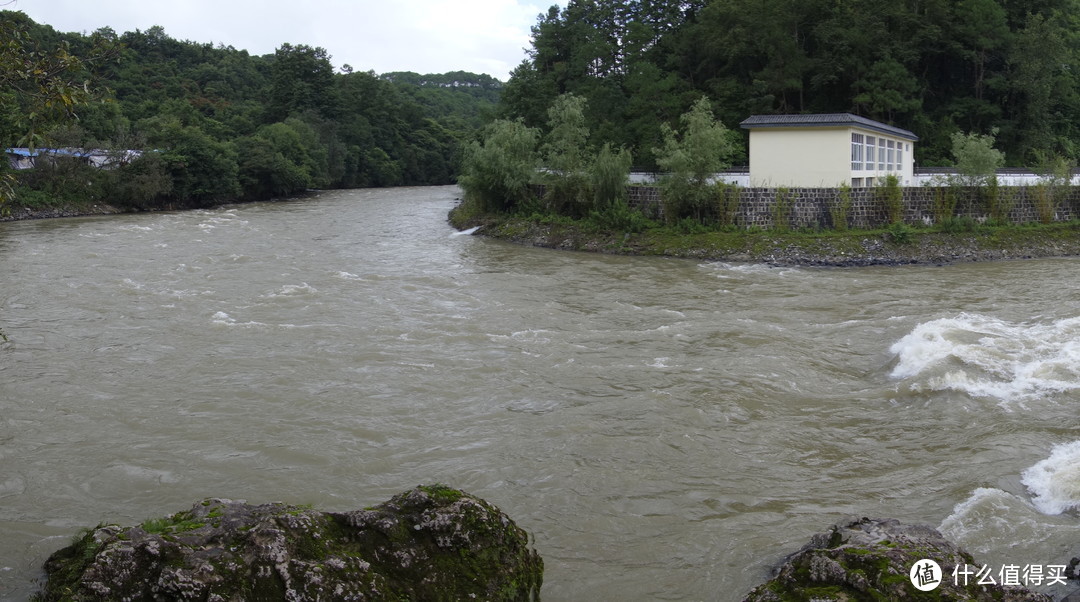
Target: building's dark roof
[(824, 120)]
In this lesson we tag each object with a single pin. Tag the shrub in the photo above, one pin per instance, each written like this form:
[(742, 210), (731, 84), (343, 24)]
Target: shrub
[(1000, 201), (727, 202), (900, 233), (840, 207), (1053, 188), (620, 217), (496, 173), (689, 225), (1045, 202), (703, 149), (976, 158), (944, 203), (891, 196), (782, 208), (957, 225), (608, 177)]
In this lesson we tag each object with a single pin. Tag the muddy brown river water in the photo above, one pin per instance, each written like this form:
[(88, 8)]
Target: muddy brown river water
[(666, 429)]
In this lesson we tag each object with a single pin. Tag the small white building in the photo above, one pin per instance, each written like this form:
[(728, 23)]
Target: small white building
[(826, 150), (24, 158)]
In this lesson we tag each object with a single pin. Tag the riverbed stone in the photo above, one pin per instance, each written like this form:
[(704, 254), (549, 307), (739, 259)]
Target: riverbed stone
[(871, 559), (429, 543)]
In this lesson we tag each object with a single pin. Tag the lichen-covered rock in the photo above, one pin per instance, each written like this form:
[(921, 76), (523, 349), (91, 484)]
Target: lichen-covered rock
[(430, 543), (871, 559)]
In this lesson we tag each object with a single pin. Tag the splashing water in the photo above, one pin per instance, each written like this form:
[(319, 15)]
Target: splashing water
[(983, 356), (1054, 483)]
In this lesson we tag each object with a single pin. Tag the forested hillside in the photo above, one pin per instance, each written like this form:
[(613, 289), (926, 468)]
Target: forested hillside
[(226, 125), (935, 67)]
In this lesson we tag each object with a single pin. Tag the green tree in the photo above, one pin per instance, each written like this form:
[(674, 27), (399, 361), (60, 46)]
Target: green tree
[(1043, 71), (302, 78), (608, 177), (692, 159), (496, 172), (264, 173), (977, 161), (203, 170), (43, 87), (140, 183), (564, 153)]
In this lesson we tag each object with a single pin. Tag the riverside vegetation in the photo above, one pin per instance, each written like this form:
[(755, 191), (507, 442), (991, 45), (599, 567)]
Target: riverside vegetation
[(584, 204), (215, 124), (221, 125), (927, 66)]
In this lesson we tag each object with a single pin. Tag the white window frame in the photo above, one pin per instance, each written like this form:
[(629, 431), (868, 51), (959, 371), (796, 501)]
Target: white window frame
[(856, 152)]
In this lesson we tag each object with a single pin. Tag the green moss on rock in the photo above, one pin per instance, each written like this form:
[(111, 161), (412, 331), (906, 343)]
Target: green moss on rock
[(868, 560), (430, 543)]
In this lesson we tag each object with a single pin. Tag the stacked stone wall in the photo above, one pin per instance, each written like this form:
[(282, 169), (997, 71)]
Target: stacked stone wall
[(813, 207)]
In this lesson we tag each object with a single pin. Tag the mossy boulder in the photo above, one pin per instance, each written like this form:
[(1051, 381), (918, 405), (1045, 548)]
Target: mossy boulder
[(430, 543), (870, 559)]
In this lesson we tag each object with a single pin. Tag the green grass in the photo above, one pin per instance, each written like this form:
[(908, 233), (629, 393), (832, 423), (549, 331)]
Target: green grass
[(175, 523), (690, 238)]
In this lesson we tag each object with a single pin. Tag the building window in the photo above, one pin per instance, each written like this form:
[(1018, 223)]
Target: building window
[(881, 154), (870, 143), (856, 151), (891, 155), (899, 156), (856, 182)]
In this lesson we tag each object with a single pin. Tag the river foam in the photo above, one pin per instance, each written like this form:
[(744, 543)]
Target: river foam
[(1006, 526), (991, 519), (1054, 483), (984, 356)]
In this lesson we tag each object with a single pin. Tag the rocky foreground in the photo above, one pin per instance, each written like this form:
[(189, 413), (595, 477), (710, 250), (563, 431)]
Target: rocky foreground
[(872, 559), (438, 543), (430, 543)]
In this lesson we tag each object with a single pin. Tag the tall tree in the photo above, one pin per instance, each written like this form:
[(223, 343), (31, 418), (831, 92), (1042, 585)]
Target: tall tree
[(564, 152), (496, 171), (302, 78), (690, 158), (43, 87)]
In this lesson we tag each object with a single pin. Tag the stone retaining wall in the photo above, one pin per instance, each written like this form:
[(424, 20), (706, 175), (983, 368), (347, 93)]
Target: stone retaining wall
[(812, 207)]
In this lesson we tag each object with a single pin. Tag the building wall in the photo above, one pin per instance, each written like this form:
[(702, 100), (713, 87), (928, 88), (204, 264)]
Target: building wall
[(800, 157), (822, 157), (881, 166)]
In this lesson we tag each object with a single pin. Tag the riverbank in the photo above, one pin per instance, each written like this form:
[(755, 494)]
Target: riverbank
[(904, 246), (25, 213), (19, 212)]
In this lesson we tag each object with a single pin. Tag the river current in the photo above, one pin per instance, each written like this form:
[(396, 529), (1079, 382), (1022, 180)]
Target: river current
[(666, 429)]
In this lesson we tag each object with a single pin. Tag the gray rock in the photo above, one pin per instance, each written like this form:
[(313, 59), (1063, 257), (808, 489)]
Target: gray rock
[(871, 559), (430, 543)]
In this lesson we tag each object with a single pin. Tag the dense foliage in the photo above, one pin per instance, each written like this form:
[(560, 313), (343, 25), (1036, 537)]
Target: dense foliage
[(219, 124), (936, 67)]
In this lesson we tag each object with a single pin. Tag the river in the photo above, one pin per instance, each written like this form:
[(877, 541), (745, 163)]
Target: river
[(666, 429)]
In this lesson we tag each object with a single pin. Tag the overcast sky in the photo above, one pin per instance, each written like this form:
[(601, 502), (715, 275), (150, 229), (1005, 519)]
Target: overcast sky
[(425, 36)]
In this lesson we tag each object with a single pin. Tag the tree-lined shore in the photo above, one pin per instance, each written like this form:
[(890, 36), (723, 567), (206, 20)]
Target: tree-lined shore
[(935, 67), (216, 124)]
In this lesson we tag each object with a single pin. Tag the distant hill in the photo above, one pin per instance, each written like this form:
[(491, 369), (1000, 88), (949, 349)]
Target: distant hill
[(234, 125)]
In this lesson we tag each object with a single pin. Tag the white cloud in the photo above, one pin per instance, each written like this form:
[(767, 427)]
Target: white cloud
[(427, 36)]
